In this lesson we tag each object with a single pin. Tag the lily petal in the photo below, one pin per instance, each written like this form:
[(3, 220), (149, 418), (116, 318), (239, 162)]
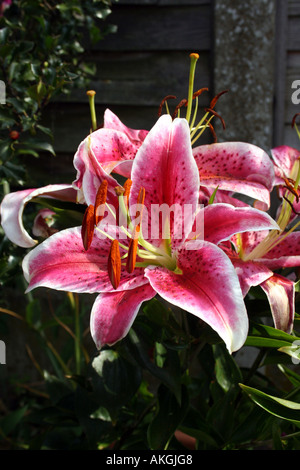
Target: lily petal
[(208, 288), (284, 255), (113, 314), (250, 273), (90, 171), (111, 121), (13, 205), (284, 158), (221, 221), (61, 263), (165, 167), (281, 294), (236, 166)]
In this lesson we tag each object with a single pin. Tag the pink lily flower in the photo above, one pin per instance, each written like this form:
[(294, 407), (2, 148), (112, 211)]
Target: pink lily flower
[(13, 204), (255, 256), (232, 166), (125, 268), (286, 166), (110, 148)]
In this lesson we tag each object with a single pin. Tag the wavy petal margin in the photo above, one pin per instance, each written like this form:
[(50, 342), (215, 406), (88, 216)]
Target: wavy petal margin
[(236, 166), (113, 314), (208, 288), (13, 205)]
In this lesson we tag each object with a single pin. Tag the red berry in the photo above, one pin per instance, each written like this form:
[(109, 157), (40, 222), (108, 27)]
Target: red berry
[(14, 135)]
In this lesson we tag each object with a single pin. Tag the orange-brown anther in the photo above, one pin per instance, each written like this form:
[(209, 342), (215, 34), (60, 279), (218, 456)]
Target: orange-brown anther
[(166, 98), (140, 201), (114, 264), (87, 228), (215, 99), (209, 110), (182, 103), (127, 188), (132, 251), (294, 119), (100, 202), (194, 55)]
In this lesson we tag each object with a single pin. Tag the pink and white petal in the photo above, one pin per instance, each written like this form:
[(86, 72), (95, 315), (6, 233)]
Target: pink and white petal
[(114, 313), (221, 221), (90, 172), (208, 288), (250, 273), (165, 167), (284, 255), (61, 263), (284, 158), (13, 205), (281, 295), (236, 166), (111, 121)]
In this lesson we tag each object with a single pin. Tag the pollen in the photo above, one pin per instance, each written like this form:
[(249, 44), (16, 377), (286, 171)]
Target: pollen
[(100, 202), (87, 228), (114, 264), (132, 252)]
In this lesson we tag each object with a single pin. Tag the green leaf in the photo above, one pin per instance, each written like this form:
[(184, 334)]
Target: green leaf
[(168, 417), (226, 369), (9, 422), (115, 380), (169, 375), (293, 350), (266, 336), (284, 409)]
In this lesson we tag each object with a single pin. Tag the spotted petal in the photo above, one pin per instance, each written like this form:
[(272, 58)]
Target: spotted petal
[(221, 221), (284, 255), (236, 166), (284, 158), (165, 167), (13, 205), (208, 288), (113, 314), (61, 263)]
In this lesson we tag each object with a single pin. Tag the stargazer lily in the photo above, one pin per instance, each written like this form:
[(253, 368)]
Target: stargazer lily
[(126, 268), (231, 166), (257, 254)]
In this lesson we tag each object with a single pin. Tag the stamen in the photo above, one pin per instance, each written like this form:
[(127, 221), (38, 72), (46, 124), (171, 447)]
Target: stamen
[(127, 188), (182, 103), (100, 202), (87, 228), (132, 252), (294, 119), (114, 264), (163, 101), (212, 111), (215, 99)]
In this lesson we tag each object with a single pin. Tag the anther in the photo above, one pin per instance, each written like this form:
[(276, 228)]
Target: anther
[(132, 252), (182, 103), (294, 119), (212, 111), (127, 188), (87, 228), (215, 99), (166, 98), (100, 202), (114, 264)]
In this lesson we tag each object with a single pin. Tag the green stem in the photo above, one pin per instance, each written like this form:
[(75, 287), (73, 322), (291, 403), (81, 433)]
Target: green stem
[(75, 308)]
